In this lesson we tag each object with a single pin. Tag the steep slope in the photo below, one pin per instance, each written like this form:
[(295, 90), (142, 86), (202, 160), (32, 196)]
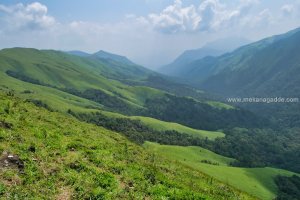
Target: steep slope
[(177, 67), (53, 156), (267, 68), (259, 68), (70, 74), (120, 66), (271, 70)]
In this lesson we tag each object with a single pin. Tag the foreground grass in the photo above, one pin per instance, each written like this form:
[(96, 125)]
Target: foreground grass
[(258, 182), (65, 158)]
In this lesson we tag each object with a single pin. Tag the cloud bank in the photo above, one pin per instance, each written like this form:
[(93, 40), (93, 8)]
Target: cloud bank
[(210, 15), (26, 17)]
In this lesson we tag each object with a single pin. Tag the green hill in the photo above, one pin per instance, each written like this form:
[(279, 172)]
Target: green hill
[(256, 181), (272, 62), (49, 155), (163, 126), (54, 77)]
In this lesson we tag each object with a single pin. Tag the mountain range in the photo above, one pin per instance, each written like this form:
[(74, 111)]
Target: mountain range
[(266, 67)]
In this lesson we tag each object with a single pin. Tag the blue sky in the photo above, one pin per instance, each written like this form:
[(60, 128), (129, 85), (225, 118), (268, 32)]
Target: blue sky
[(150, 32)]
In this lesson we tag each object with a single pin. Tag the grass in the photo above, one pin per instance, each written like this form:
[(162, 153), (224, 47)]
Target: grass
[(160, 125), (255, 181), (77, 160), (66, 71), (164, 126), (220, 105)]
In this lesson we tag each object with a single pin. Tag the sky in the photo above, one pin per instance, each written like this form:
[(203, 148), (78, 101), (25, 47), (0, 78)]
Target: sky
[(149, 32)]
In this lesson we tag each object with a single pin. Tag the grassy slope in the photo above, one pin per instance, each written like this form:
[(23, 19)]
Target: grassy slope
[(64, 101), (82, 161), (134, 95), (220, 105), (67, 71), (256, 181), (163, 126), (160, 125)]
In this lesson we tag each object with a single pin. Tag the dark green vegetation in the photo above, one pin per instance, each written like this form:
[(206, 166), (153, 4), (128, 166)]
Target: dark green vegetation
[(289, 188), (136, 131), (200, 115), (64, 158), (261, 147)]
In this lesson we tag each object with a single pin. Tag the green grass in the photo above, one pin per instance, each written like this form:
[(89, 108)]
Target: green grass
[(164, 126), (77, 160), (220, 105), (255, 181), (66, 71)]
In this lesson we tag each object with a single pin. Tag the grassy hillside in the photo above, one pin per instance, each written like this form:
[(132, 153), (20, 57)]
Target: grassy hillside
[(163, 126), (57, 157), (256, 181), (54, 77)]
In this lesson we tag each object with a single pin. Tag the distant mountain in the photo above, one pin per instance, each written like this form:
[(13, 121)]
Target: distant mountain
[(178, 65), (113, 65), (267, 67), (215, 48), (78, 53)]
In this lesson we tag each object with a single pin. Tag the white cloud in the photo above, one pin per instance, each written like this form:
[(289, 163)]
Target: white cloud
[(289, 10), (176, 18), (210, 15), (26, 17)]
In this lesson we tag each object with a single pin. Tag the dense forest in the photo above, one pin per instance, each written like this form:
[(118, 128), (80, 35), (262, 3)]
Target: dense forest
[(199, 115), (289, 187), (261, 147), (137, 132)]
